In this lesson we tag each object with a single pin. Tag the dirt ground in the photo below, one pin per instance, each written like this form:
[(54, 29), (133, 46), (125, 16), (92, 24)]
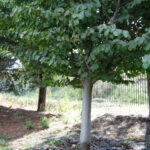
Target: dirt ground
[(13, 118), (115, 124)]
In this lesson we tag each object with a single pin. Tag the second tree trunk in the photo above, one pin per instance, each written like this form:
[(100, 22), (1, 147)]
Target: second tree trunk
[(42, 99)]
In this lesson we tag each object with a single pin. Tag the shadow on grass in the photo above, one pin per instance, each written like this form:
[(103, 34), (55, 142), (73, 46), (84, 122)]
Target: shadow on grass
[(13, 122)]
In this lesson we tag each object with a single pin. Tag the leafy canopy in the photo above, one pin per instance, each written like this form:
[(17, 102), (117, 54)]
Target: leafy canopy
[(96, 39)]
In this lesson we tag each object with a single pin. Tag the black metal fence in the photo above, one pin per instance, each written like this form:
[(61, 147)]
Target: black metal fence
[(134, 93)]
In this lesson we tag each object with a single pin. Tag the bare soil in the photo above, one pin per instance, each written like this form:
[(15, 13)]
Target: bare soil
[(13, 118)]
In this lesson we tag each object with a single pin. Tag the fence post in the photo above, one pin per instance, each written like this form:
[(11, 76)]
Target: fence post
[(148, 92)]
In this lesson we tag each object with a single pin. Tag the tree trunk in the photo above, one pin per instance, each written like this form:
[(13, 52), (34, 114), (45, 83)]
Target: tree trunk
[(148, 91), (42, 99), (86, 115)]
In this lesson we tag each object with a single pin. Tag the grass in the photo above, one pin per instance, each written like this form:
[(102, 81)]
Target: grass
[(28, 124), (3, 143), (56, 98), (56, 142), (44, 122), (18, 116)]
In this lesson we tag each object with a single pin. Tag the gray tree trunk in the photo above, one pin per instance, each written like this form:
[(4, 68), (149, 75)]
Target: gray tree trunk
[(86, 115), (42, 99), (148, 92)]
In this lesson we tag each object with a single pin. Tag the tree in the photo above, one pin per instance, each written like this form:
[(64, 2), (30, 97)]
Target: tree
[(32, 70), (141, 18), (84, 41), (42, 99), (33, 74), (35, 79), (6, 67)]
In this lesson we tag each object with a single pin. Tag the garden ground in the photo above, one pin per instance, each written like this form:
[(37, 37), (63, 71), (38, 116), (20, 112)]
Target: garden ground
[(126, 125)]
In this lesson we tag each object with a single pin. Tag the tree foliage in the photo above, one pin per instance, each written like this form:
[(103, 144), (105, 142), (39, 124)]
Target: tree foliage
[(79, 38)]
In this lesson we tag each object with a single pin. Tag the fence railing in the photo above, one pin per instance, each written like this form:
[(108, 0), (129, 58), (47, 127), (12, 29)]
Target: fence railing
[(133, 93)]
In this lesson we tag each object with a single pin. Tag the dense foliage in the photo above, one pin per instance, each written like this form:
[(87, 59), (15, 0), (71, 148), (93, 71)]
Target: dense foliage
[(77, 39)]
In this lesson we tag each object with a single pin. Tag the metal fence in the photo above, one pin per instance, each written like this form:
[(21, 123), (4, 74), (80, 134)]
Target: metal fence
[(133, 93)]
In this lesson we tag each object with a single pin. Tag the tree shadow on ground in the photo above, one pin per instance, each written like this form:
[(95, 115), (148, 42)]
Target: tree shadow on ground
[(122, 128), (13, 122)]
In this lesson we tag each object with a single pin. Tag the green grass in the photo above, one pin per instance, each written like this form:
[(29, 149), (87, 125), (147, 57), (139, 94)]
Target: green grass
[(56, 142), (55, 94), (44, 122), (71, 93), (3, 143), (17, 115), (28, 124), (58, 100)]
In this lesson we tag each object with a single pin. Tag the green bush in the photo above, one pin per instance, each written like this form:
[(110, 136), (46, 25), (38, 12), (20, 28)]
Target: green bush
[(44, 122), (3, 143), (29, 124)]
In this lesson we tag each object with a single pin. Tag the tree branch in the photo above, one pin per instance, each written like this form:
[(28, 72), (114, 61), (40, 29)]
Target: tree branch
[(105, 13), (116, 11), (88, 67)]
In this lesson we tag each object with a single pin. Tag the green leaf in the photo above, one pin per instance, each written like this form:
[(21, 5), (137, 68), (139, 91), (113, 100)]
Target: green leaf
[(106, 32), (84, 75), (117, 32), (146, 61), (94, 67), (76, 22), (147, 47), (126, 34), (81, 15), (91, 30), (83, 35)]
